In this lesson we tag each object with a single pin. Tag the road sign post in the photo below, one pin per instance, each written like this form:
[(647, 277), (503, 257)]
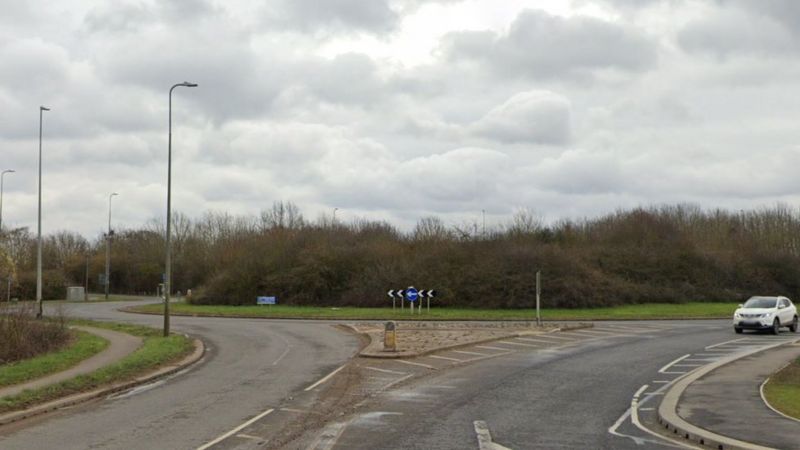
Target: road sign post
[(538, 295)]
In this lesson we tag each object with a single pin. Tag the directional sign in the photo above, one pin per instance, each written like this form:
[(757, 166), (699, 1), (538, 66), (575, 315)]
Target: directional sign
[(390, 293), (412, 294), (266, 300)]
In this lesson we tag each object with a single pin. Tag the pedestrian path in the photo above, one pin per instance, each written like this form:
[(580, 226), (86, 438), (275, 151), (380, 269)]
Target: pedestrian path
[(120, 345)]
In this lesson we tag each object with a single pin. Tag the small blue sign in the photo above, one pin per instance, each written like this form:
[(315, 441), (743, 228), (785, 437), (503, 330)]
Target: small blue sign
[(266, 300), (412, 294)]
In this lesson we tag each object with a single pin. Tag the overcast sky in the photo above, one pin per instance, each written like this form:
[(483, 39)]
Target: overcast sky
[(397, 109)]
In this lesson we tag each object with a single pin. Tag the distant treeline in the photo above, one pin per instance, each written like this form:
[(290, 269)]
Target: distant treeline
[(660, 254)]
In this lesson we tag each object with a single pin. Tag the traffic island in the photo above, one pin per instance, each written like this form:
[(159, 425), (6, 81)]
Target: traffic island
[(719, 405), (417, 338)]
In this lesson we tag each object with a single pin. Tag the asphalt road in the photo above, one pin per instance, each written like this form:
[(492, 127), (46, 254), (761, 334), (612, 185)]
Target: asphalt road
[(566, 390), (251, 365), (566, 397)]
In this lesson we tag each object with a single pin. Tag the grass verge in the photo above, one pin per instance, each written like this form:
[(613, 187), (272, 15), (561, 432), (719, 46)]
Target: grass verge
[(627, 312), (155, 351), (783, 390), (84, 345)]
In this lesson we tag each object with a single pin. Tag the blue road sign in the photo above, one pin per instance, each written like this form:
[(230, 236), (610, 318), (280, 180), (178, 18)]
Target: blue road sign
[(266, 300), (412, 294)]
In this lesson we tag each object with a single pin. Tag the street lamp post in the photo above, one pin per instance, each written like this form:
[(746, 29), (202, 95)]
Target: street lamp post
[(108, 245), (2, 175), (42, 109), (168, 268), (483, 212), (334, 215)]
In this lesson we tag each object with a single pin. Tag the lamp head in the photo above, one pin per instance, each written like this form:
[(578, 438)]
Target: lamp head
[(187, 84), (43, 108)]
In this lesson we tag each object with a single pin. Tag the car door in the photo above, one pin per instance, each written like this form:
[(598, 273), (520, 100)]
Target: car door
[(784, 312)]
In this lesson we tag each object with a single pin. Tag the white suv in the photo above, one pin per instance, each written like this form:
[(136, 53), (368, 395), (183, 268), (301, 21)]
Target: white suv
[(765, 313)]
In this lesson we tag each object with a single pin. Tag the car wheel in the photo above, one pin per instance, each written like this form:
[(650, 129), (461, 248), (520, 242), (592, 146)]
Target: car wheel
[(776, 326), (737, 330), (793, 326)]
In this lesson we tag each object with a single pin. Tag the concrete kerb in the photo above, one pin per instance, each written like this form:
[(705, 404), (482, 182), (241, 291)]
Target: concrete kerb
[(668, 409), (408, 354), (194, 357)]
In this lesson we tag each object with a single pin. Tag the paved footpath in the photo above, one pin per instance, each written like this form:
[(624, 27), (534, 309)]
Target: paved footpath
[(120, 345), (727, 401)]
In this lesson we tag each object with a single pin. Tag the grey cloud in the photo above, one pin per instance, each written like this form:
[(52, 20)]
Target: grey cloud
[(533, 117), (310, 15), (539, 45), (732, 31)]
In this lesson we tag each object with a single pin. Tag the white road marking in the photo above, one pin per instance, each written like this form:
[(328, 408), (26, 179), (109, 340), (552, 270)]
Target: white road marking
[(485, 437), (325, 378), (446, 358), (293, 410), (670, 364), (249, 436), (285, 352), (519, 344), (488, 347), (235, 430), (563, 338), (541, 341), (723, 343), (413, 363), (329, 436), (385, 370), (469, 353), (660, 381)]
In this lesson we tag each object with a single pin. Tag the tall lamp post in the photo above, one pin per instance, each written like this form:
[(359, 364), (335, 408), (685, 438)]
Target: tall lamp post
[(108, 245), (334, 215), (42, 109), (168, 268), (2, 174)]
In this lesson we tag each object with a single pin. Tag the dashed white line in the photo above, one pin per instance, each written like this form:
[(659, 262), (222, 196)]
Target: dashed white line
[(488, 347), (670, 364), (446, 358), (519, 344), (723, 343), (325, 378), (463, 352), (395, 372), (413, 363), (235, 430)]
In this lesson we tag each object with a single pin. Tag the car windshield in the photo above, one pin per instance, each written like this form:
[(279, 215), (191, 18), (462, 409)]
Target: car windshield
[(760, 303)]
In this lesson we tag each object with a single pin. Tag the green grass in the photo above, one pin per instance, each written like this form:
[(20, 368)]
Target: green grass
[(83, 346), (155, 351), (628, 312), (783, 390)]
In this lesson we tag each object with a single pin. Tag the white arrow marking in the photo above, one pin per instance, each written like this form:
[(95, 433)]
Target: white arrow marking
[(485, 438), (390, 293)]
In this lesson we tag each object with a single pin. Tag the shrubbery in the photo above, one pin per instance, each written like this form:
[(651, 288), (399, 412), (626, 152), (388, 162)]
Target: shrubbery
[(666, 254)]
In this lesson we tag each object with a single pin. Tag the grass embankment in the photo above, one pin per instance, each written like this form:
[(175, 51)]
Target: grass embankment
[(155, 351), (96, 298), (83, 346), (628, 312), (783, 390)]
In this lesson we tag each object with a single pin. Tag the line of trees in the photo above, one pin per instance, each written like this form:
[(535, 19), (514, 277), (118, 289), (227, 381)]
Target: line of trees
[(674, 253)]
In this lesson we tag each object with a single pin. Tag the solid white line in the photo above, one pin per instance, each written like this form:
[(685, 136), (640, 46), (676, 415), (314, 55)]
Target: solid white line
[(723, 343), (249, 436), (687, 365), (664, 369), (660, 381), (550, 336), (470, 353), (488, 347), (385, 370), (235, 430), (285, 352), (427, 366), (325, 378), (445, 358), (541, 341), (519, 344)]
